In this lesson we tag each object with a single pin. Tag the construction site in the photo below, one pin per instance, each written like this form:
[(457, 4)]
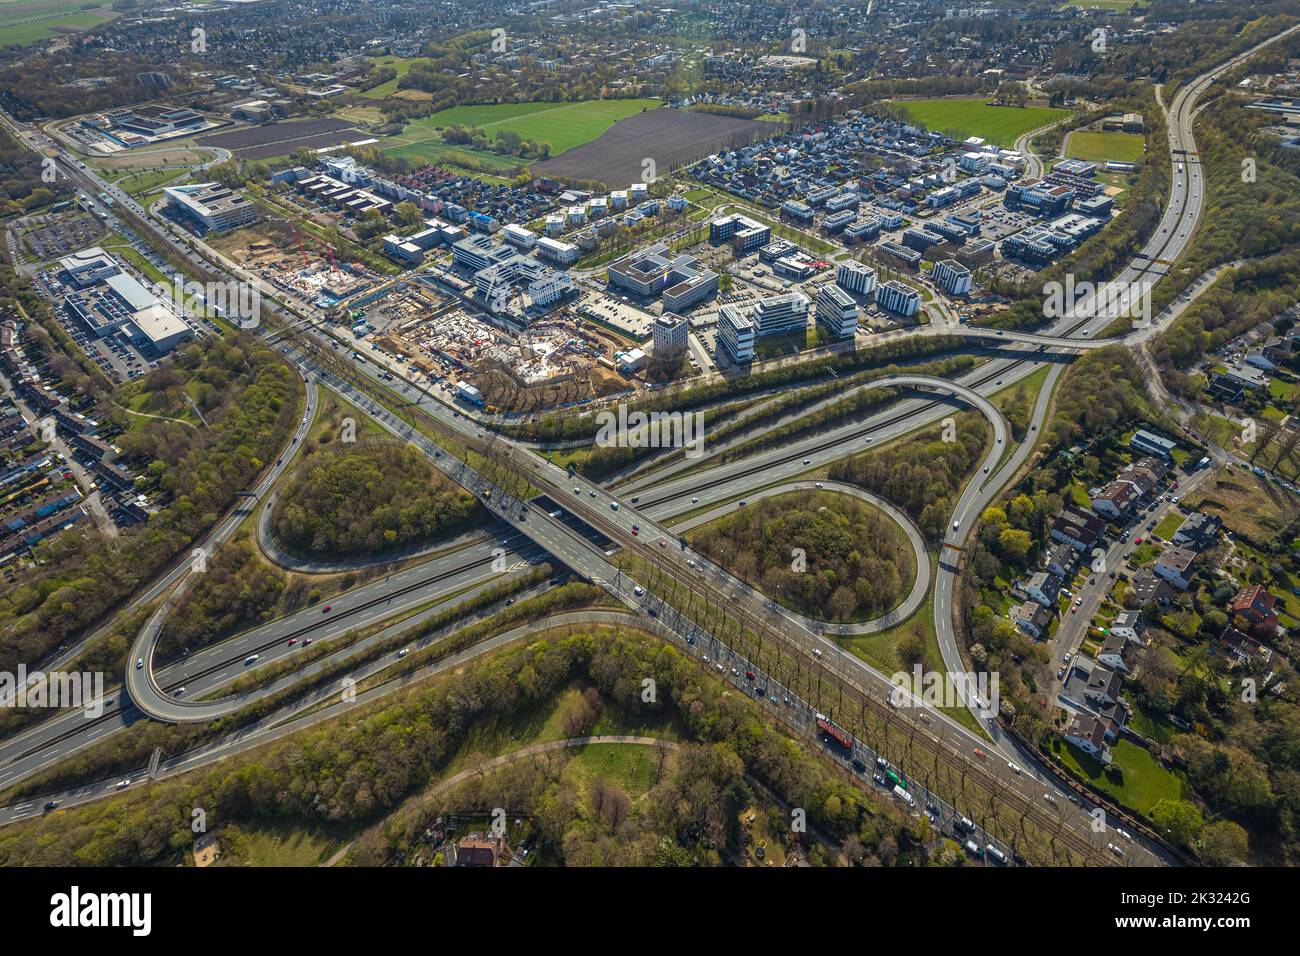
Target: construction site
[(309, 270), (556, 361)]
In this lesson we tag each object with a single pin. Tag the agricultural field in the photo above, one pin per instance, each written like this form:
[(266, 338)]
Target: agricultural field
[(670, 137), (27, 21), (563, 125), (1123, 5), (1098, 147), (1000, 125), (282, 139)]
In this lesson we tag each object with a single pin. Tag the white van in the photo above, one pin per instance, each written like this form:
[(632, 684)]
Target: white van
[(996, 854), (904, 796)]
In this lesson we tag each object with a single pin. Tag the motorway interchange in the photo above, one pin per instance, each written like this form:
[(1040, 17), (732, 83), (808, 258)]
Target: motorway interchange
[(582, 526)]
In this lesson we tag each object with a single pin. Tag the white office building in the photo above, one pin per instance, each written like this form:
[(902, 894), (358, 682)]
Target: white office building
[(779, 314), (669, 335), (735, 334), (856, 277), (953, 277), (837, 312), (894, 296)]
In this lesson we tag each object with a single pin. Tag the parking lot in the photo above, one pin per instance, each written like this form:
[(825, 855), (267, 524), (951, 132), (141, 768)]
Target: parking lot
[(59, 235)]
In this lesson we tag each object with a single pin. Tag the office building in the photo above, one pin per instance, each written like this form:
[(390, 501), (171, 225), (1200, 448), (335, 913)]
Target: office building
[(837, 311), (894, 296), (669, 335)]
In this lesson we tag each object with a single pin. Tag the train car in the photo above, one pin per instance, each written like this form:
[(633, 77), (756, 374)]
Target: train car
[(835, 735)]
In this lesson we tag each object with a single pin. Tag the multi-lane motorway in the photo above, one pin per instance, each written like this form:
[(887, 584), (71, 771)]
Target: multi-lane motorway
[(208, 670)]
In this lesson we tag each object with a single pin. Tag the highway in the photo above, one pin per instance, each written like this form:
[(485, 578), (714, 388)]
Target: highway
[(577, 551)]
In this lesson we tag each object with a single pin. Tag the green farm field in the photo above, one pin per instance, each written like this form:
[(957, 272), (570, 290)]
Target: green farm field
[(563, 125), (1000, 125), (27, 21)]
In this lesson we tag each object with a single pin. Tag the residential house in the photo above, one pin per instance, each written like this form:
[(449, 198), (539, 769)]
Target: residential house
[(1088, 733), (1103, 686), (1043, 588), (1077, 528), (1198, 531), (1118, 654), (1255, 604), (1061, 560), (1177, 566), (1032, 618), (1149, 589), (1128, 625), (1116, 499), (478, 849), (1243, 647)]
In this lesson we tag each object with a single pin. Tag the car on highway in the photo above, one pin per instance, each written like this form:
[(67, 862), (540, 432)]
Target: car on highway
[(636, 529), (403, 652), (123, 784), (306, 641), (51, 805), (139, 663), (251, 659), (293, 641), (1060, 672), (638, 590)]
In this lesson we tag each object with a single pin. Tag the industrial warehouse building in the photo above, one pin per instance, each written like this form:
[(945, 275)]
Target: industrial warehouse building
[(116, 302)]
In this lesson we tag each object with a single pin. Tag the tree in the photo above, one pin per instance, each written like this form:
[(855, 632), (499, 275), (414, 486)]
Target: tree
[(1223, 844), (1015, 545), (1179, 820)]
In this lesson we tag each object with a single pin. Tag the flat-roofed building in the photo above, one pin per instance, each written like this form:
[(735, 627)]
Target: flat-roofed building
[(669, 335), (89, 266), (837, 311), (953, 277), (894, 296), (214, 206), (736, 334), (856, 277), (779, 314)]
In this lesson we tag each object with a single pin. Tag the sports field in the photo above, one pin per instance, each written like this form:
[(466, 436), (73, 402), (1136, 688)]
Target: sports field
[(1000, 125), (1099, 147), (563, 125)]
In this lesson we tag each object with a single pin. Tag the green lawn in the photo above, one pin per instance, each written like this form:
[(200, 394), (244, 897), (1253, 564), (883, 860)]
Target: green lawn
[(630, 767), (1098, 147), (1169, 524), (1143, 781), (30, 23), (401, 64), (1000, 125), (563, 125)]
